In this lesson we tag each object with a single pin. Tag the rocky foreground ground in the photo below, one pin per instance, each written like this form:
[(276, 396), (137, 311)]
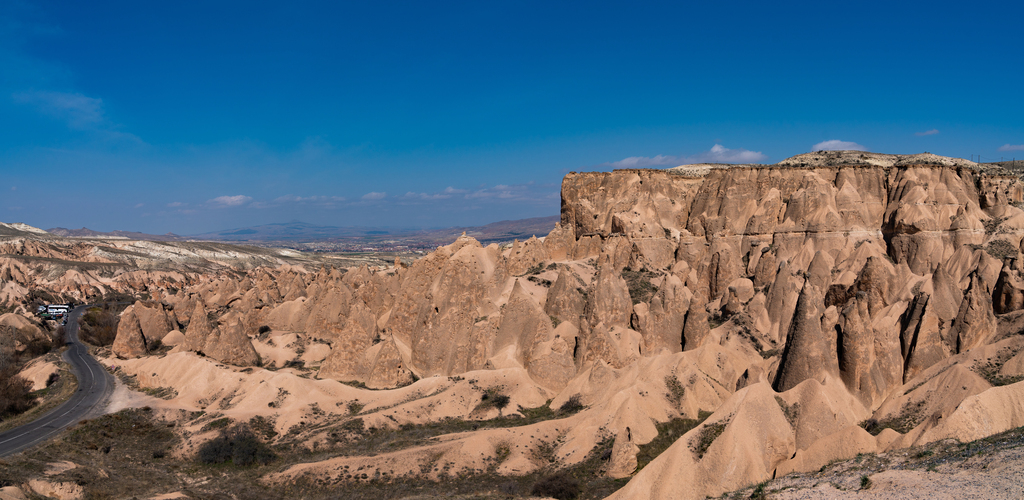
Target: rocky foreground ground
[(681, 333)]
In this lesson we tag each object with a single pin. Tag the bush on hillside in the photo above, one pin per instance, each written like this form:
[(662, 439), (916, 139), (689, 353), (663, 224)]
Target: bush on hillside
[(241, 448), (14, 391), (98, 326)]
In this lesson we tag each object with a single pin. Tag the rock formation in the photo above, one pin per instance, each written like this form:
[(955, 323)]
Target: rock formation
[(794, 301)]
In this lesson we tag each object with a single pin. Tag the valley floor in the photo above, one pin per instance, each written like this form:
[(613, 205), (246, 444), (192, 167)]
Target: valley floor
[(987, 468)]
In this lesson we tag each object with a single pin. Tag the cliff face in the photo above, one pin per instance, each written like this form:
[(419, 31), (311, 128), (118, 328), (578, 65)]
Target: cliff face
[(871, 268), (834, 263)]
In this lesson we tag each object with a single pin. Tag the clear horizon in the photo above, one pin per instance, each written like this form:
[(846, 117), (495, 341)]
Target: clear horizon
[(194, 118)]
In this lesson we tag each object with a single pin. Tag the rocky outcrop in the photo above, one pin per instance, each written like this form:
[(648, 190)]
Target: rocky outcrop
[(661, 322), (564, 300), (153, 319), (809, 352), (229, 344), (130, 341)]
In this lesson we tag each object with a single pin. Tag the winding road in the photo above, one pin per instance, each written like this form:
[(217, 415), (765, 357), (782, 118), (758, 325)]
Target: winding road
[(94, 388)]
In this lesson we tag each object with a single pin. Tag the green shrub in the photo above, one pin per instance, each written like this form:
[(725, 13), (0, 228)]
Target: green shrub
[(676, 391), (14, 391), (493, 397), (707, 435), (99, 325), (501, 401), (759, 493), (572, 405), (242, 449), (219, 423), (355, 407), (640, 287)]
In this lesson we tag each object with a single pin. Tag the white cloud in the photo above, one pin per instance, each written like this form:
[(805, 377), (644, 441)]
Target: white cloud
[(644, 161), (521, 192), (424, 196), (721, 154), (79, 111), (717, 154), (837, 145), (174, 204), (1012, 147), (927, 132), (230, 201), (451, 190), (373, 195), (309, 199)]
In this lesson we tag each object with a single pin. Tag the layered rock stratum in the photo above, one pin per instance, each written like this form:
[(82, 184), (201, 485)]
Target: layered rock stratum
[(832, 304)]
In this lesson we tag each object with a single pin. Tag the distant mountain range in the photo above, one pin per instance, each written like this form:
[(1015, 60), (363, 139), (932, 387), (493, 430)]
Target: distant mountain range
[(297, 232)]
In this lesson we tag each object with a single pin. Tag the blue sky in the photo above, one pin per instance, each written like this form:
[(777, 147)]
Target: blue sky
[(198, 116)]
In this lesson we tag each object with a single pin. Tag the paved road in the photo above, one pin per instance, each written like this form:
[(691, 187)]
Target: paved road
[(94, 388)]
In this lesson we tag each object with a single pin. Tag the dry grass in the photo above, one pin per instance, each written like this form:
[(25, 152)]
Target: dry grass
[(792, 412), (46, 399), (706, 437), (989, 370), (909, 417), (668, 433)]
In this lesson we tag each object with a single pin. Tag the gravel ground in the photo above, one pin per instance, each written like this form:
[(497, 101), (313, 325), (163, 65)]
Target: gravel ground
[(988, 468)]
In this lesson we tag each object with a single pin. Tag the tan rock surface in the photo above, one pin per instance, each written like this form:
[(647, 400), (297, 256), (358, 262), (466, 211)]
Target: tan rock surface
[(130, 341)]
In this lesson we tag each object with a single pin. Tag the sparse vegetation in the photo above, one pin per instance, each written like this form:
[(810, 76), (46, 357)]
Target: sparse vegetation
[(354, 407), (502, 451), (990, 369), (676, 391), (992, 224), (903, 423), (792, 412), (14, 392), (219, 423), (572, 405), (241, 448), (60, 386), (493, 398), (560, 485), (546, 453), (540, 281), (262, 426), (98, 326), (555, 321), (759, 492), (535, 269), (668, 433), (706, 437), (715, 321), (1000, 249), (640, 287)]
